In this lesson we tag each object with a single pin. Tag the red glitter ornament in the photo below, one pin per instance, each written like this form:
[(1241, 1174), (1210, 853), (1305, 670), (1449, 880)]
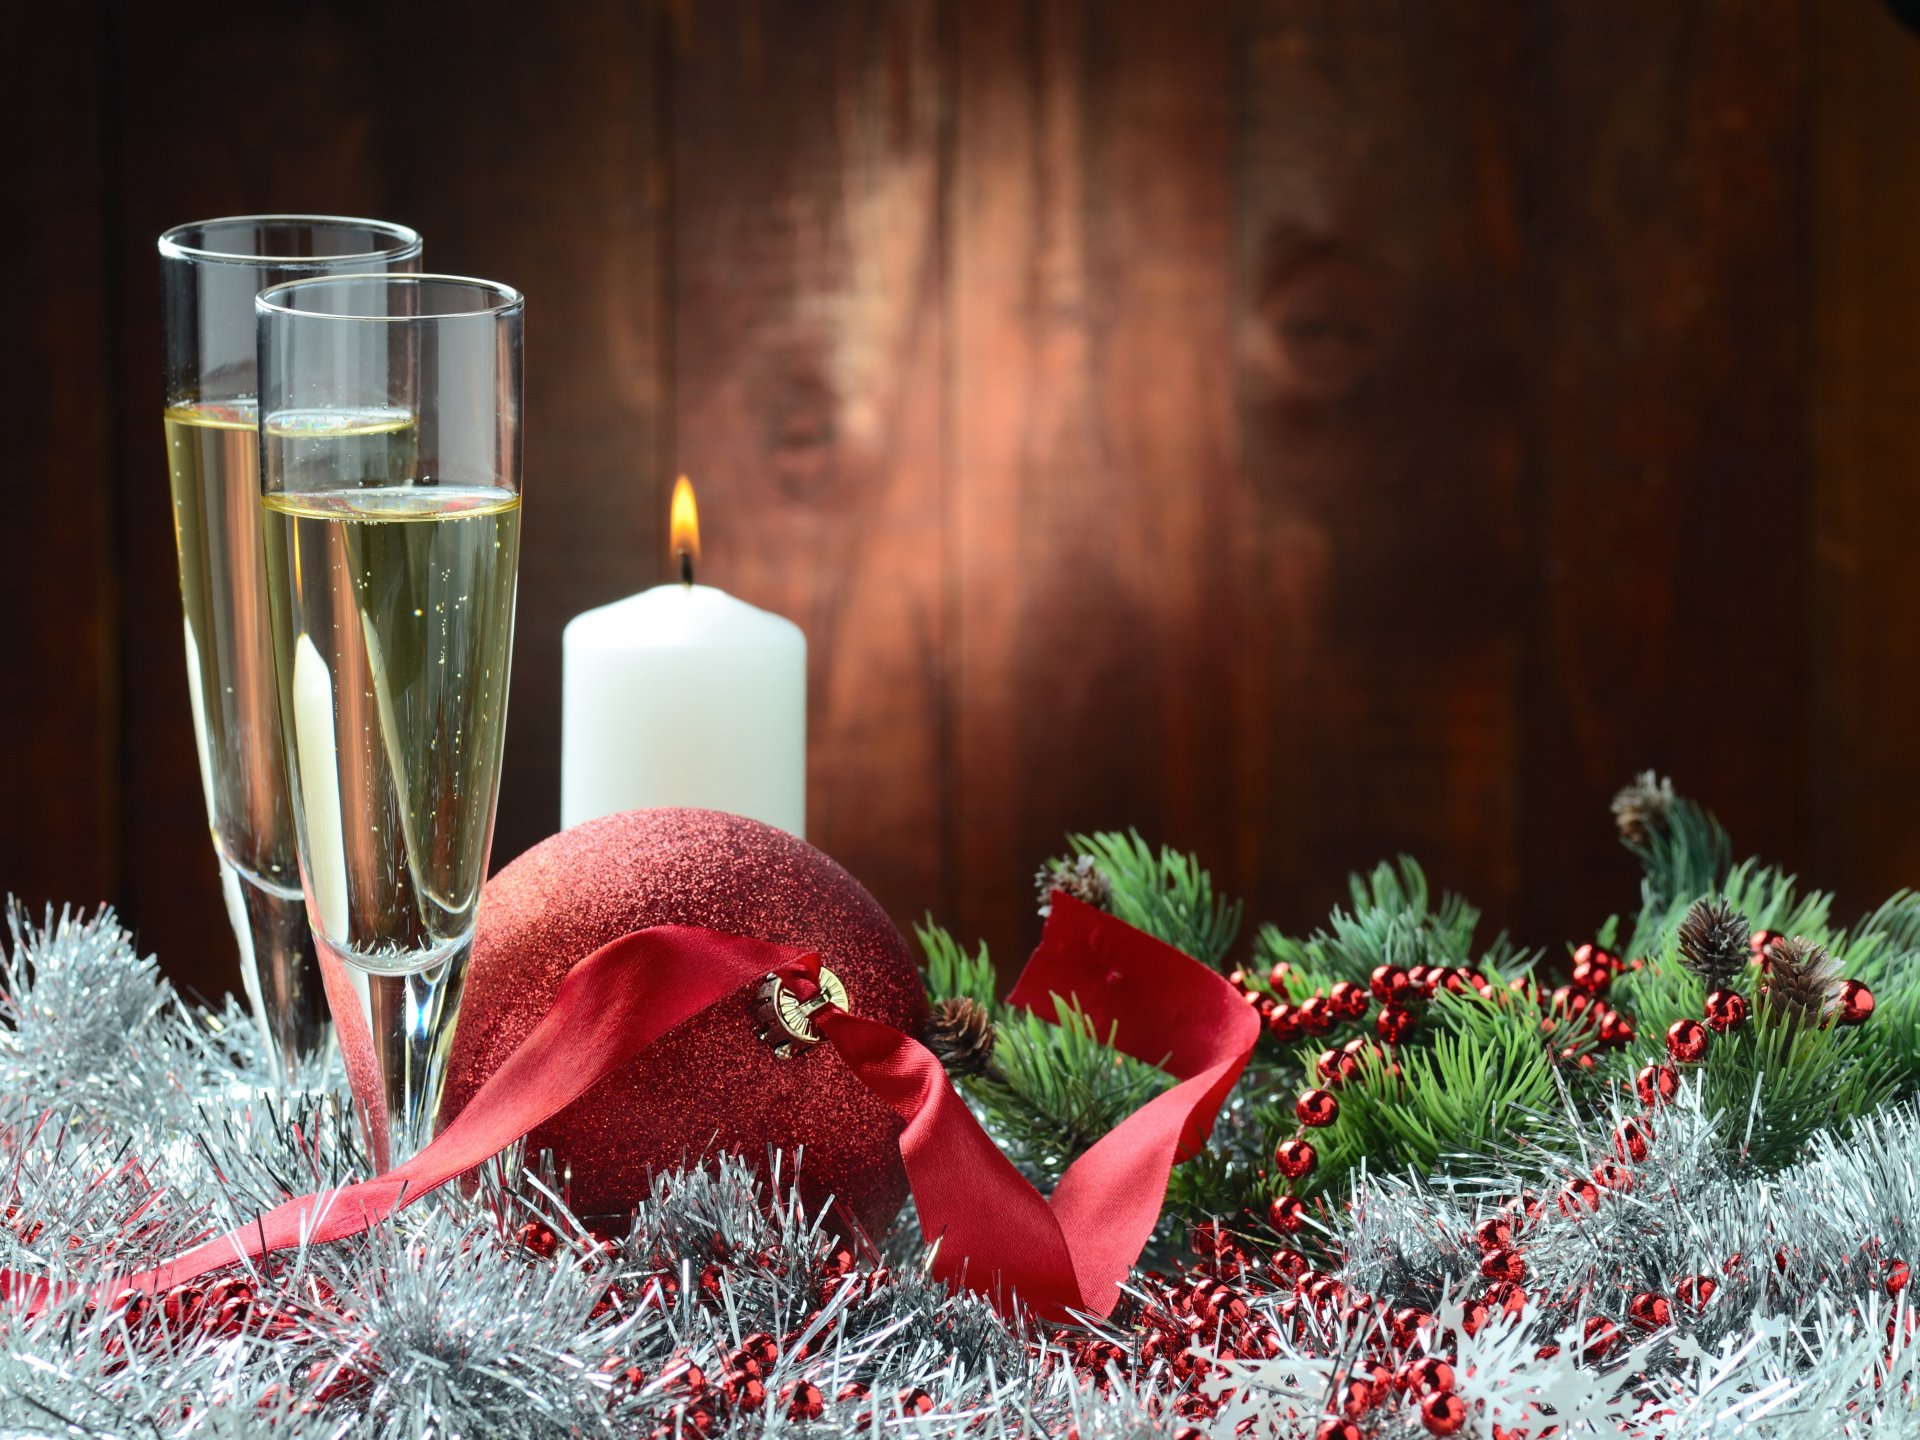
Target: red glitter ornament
[(711, 1084), (1897, 1276), (1656, 1084), (1696, 1290), (1687, 1041), (1317, 1108), (1854, 1003), (1295, 1159), (1426, 1376), (1286, 1214), (1393, 1024), (1443, 1412), (1649, 1311), (1726, 1009), (1389, 983), (1494, 1234), (1338, 1429)]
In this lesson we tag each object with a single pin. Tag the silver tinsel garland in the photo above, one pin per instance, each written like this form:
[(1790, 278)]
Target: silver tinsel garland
[(132, 1124)]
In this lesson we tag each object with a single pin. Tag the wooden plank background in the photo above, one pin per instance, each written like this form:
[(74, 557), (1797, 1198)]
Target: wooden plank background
[(1306, 432)]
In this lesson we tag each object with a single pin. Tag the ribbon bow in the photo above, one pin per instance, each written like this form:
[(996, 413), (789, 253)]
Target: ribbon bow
[(993, 1232)]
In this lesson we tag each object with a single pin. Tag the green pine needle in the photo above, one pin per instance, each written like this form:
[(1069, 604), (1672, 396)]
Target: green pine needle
[(1165, 893)]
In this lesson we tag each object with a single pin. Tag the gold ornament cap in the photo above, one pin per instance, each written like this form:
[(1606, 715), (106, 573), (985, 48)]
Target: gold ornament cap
[(786, 1020)]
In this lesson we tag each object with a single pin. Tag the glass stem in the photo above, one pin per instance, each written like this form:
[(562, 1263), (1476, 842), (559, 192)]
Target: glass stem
[(396, 1031), (280, 972)]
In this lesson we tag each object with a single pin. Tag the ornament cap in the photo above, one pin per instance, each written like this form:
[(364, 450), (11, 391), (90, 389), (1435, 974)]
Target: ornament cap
[(786, 1020)]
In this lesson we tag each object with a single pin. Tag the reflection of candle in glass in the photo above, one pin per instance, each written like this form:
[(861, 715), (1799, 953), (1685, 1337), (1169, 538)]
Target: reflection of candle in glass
[(683, 695)]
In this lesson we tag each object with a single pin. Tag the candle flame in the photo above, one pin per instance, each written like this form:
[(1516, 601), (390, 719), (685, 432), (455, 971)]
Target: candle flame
[(685, 522)]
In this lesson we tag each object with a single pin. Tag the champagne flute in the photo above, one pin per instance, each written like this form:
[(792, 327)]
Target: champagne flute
[(390, 433), (210, 272)]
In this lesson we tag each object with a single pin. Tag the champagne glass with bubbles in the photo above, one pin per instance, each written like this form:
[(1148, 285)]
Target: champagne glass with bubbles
[(390, 433), (210, 273)]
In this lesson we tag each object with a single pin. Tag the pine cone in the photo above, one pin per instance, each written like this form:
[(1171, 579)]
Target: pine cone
[(1082, 879), (960, 1034), (1640, 808), (1713, 943), (1799, 982)]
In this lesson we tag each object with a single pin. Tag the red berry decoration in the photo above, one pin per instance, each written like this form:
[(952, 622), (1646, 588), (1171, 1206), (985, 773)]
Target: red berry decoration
[(1349, 1001), (1317, 1108), (1696, 1290), (1315, 1014), (1897, 1276), (1579, 1195), (1337, 1429), (1687, 1041), (1507, 1297), (1430, 1376), (1389, 983), (1616, 1029), (1295, 1159), (1612, 1175), (1601, 1336), (1394, 1024), (1503, 1265), (1630, 1141), (1656, 1084), (804, 1401), (1855, 1003), (1494, 1234), (1761, 944), (1726, 1009), (1590, 977), (1443, 1412), (1283, 1023), (1591, 954), (1335, 1066), (1287, 1214), (1649, 1311)]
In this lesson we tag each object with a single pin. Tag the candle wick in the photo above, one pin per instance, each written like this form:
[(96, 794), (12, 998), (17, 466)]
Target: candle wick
[(686, 566)]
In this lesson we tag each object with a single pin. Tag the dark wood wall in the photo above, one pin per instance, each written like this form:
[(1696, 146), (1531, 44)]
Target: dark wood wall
[(1306, 431)]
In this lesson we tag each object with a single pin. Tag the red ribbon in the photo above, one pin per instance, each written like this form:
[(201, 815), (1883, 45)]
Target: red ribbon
[(995, 1233)]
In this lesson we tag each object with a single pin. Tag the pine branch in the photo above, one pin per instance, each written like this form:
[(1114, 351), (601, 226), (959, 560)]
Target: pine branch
[(1165, 893), (1682, 849)]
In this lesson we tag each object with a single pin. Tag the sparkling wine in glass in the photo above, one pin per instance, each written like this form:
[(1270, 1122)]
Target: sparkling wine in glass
[(391, 515), (210, 273)]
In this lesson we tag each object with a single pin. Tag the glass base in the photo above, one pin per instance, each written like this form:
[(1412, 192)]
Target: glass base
[(396, 1031), (280, 972)]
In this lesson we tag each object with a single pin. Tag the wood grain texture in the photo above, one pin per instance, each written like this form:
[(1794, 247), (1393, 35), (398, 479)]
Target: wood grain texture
[(808, 340), (1093, 480), (1383, 565), (1672, 622), (581, 229), (279, 115), (1866, 424), (59, 710), (1306, 432)]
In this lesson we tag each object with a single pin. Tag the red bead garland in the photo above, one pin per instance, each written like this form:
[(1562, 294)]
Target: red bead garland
[(1295, 1159), (1317, 1108), (1687, 1041), (1443, 1412)]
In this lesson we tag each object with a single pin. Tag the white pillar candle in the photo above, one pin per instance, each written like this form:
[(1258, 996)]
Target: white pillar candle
[(683, 695)]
